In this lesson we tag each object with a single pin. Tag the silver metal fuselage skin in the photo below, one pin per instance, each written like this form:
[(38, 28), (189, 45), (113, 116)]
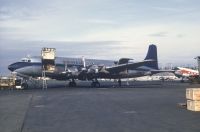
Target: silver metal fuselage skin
[(33, 67)]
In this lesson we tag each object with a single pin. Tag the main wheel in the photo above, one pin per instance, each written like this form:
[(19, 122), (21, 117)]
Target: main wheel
[(72, 84), (95, 84)]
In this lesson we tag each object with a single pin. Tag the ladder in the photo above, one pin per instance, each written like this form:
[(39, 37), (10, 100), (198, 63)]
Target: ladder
[(44, 81)]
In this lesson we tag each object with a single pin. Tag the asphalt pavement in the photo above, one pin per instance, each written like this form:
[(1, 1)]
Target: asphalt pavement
[(97, 110)]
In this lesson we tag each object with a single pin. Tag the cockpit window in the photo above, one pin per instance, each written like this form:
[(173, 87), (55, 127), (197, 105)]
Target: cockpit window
[(25, 60)]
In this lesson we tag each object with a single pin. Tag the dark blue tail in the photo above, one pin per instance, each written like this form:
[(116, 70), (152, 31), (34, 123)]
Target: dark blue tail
[(152, 54)]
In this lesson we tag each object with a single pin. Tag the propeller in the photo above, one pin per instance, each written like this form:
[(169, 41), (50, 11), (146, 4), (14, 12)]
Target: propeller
[(93, 69), (90, 71)]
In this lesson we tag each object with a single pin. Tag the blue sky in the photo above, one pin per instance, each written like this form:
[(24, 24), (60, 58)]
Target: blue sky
[(107, 29)]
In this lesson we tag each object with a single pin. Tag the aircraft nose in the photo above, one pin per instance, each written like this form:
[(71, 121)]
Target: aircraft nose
[(11, 67)]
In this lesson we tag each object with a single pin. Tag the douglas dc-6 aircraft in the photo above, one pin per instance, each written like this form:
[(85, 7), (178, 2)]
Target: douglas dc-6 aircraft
[(89, 69)]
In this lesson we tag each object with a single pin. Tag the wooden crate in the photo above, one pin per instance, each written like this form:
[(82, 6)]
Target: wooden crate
[(193, 93), (193, 105)]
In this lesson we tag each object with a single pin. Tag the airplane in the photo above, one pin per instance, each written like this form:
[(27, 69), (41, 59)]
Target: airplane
[(188, 73), (89, 69)]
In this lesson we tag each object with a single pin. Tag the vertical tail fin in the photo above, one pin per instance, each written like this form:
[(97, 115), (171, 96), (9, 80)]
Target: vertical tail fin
[(152, 54)]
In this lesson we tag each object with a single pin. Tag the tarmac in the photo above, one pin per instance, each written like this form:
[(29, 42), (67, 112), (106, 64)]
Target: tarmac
[(147, 106)]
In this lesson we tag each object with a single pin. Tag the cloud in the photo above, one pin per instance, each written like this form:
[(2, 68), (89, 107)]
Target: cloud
[(101, 21), (23, 14), (180, 35), (23, 10), (159, 34), (169, 9), (110, 28)]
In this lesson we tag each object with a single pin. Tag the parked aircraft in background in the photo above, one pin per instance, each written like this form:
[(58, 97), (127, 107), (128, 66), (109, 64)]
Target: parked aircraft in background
[(187, 73), (89, 69)]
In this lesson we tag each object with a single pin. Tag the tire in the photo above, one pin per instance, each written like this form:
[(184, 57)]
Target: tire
[(72, 84), (95, 84), (98, 84)]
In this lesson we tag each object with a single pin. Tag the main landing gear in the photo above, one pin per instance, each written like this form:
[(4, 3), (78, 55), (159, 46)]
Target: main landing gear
[(72, 83), (95, 83), (120, 82)]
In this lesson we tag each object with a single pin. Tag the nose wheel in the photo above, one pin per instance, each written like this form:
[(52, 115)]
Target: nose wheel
[(24, 86)]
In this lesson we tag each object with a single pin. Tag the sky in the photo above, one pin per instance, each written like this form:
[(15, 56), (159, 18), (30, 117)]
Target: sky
[(102, 29)]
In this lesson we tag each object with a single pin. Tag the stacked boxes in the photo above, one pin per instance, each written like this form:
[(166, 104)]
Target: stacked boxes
[(7, 82), (193, 99)]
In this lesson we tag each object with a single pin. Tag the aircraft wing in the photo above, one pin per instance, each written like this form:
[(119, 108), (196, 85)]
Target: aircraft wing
[(129, 66), (160, 71)]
